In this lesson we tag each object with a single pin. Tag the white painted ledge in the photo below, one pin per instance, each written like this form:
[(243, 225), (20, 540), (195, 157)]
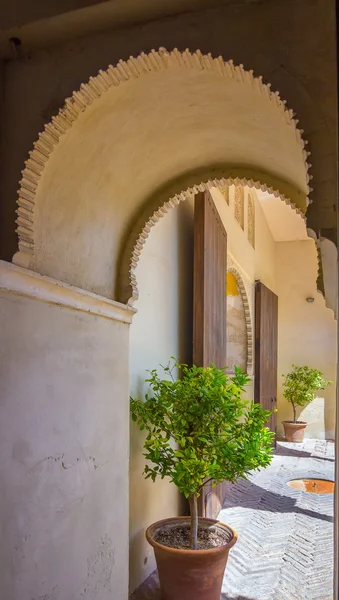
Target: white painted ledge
[(23, 282)]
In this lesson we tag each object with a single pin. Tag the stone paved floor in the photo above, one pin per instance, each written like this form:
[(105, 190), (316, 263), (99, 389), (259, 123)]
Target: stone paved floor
[(284, 551)]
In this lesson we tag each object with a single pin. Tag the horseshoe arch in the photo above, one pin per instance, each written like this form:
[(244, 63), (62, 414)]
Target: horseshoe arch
[(172, 121)]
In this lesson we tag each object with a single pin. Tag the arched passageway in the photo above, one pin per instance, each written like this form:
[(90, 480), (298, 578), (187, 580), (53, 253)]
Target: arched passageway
[(280, 254), (137, 139), (135, 136)]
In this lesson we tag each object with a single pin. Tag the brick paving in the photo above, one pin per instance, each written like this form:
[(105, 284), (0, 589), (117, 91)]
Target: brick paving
[(285, 545)]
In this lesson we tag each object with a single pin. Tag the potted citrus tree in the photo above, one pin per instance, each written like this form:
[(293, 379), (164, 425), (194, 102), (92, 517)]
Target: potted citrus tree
[(199, 430), (300, 386)]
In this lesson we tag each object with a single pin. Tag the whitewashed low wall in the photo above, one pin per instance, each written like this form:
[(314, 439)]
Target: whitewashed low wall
[(64, 440)]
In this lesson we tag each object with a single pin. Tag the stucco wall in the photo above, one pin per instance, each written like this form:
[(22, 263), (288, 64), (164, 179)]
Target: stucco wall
[(264, 37), (258, 263), (307, 333), (64, 453), (161, 328)]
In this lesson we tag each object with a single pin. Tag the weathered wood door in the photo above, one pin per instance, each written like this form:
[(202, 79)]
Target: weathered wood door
[(209, 308), (266, 350)]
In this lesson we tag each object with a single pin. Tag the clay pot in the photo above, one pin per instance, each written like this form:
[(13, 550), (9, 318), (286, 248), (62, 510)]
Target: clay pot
[(187, 574), (294, 432)]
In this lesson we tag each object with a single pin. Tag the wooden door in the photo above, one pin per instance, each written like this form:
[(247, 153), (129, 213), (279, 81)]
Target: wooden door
[(209, 309), (266, 350)]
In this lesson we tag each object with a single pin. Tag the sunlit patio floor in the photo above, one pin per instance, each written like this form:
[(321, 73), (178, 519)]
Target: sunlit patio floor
[(285, 546)]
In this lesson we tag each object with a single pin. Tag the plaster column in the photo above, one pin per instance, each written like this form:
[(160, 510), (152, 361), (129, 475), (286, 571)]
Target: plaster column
[(64, 441)]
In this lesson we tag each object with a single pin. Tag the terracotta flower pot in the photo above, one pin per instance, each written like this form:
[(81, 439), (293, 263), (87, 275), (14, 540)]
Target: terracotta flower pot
[(187, 574), (294, 432)]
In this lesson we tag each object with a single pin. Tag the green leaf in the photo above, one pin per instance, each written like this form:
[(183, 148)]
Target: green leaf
[(199, 427)]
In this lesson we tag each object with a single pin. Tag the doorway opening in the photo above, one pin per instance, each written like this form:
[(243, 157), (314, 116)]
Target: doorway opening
[(282, 256)]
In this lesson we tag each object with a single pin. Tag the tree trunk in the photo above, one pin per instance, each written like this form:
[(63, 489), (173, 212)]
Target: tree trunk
[(294, 413), (194, 521)]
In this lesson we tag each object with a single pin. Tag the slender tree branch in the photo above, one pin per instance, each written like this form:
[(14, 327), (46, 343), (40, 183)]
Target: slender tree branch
[(294, 412), (194, 521), (205, 483)]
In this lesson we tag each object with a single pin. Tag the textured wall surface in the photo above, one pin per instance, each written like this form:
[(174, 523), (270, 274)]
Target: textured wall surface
[(64, 453)]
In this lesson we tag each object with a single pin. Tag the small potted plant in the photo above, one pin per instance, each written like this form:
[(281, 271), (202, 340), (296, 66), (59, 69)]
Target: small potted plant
[(300, 387), (200, 430)]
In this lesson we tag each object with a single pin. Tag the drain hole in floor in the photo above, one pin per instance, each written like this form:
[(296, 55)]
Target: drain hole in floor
[(313, 486)]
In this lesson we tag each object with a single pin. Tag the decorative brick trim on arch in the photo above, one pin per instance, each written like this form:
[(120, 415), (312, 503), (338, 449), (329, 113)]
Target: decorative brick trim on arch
[(320, 275), (133, 68), (312, 234), (128, 285), (248, 315)]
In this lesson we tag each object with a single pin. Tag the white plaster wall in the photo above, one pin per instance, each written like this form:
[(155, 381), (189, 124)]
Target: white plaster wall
[(306, 335), (265, 248), (258, 263), (64, 453), (161, 328)]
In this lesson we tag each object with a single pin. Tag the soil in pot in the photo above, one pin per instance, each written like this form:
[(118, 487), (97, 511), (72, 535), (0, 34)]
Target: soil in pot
[(179, 537), (187, 574), (294, 432)]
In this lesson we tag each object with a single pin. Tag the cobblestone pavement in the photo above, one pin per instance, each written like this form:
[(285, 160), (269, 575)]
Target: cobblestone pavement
[(284, 550)]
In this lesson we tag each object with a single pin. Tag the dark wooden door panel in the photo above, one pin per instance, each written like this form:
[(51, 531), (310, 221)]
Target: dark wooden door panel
[(209, 309), (210, 301), (266, 350)]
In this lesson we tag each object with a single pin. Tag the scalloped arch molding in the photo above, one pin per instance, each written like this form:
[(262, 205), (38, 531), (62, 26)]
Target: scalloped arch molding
[(131, 138)]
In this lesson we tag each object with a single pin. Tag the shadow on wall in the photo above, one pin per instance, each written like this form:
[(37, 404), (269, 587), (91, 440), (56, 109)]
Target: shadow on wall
[(161, 328), (137, 541), (185, 220)]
